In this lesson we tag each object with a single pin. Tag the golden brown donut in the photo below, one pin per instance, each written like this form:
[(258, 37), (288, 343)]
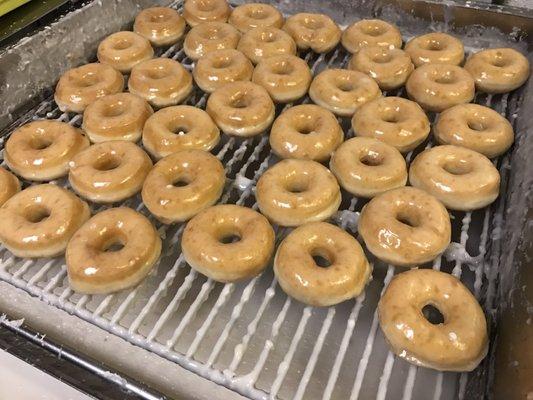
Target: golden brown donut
[(317, 32), (96, 266), (40, 220), (41, 150), (367, 167), (123, 50), (371, 32), (405, 226), (199, 11), (79, 87), (285, 77), (437, 48), (162, 82), (498, 70), (162, 26), (261, 43), (306, 131), (345, 276), (9, 185), (457, 344), (177, 128), (219, 67), (228, 243), (293, 192), (118, 116), (208, 37), (255, 15), (241, 108), (437, 87), (183, 184), (399, 122)]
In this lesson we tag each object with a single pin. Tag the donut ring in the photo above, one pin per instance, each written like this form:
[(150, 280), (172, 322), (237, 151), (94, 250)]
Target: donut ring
[(177, 128), (41, 150), (498, 70), (317, 32), (123, 50), (307, 132), (40, 220), (241, 108), (110, 171), (343, 91), (294, 192), (457, 344), (207, 247), (285, 77), (161, 81), (261, 43), (9, 185), (475, 127), (390, 68), (95, 268), (183, 184), (437, 48), (79, 87), (301, 277), (371, 32), (162, 26), (219, 67), (399, 122), (437, 87), (255, 15), (208, 37), (367, 167), (200, 11), (118, 116)]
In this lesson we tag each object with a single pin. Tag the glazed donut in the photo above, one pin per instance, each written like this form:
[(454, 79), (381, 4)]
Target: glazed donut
[(343, 91), (405, 226), (177, 128), (110, 171), (367, 167), (95, 266), (241, 108), (498, 70), (260, 43), (389, 67), (123, 50), (183, 184), (220, 67), (162, 26), (228, 243), (255, 15), (399, 122), (40, 220), (208, 37), (79, 87), (118, 116), (437, 87), (459, 343), (371, 32), (162, 82), (293, 192), (300, 276), (9, 185), (317, 32), (285, 77), (436, 48), (475, 127), (41, 150), (306, 131), (200, 11)]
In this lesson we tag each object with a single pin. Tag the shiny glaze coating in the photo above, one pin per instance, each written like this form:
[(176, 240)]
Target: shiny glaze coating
[(367, 167), (255, 15), (41, 150), (437, 48), (371, 32), (317, 32), (208, 37), (405, 226), (9, 185), (200, 11), (437, 87), (177, 128), (94, 267), (40, 220), (306, 131), (299, 275), (261, 43), (79, 87), (123, 50), (162, 26), (399, 122), (293, 192), (457, 344), (201, 179), (206, 249)]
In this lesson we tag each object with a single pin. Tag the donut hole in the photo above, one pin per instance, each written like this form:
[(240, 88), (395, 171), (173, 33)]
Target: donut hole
[(434, 45), (432, 314), (322, 257), (122, 44), (229, 238), (268, 37), (392, 116), (156, 73), (457, 167), (239, 100), (107, 162), (87, 80), (408, 218), (205, 5), (282, 68), (258, 13), (499, 61), (221, 62), (213, 33), (306, 129), (371, 158), (382, 57), (158, 18), (345, 85), (36, 213), (446, 79), (181, 181), (373, 29), (179, 130), (114, 245), (40, 142), (476, 125), (114, 110), (297, 185), (312, 23)]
